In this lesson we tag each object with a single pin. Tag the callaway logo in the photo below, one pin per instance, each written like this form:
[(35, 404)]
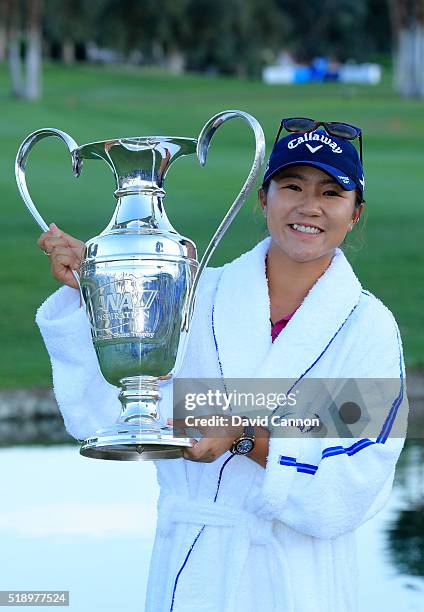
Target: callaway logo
[(362, 181), (345, 179), (295, 142), (314, 149)]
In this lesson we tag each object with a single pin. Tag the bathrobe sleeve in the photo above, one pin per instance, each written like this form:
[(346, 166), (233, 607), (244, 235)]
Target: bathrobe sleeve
[(86, 400), (325, 487)]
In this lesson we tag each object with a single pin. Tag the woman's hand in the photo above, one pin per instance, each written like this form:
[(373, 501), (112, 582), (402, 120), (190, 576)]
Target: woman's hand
[(207, 449), (66, 254)]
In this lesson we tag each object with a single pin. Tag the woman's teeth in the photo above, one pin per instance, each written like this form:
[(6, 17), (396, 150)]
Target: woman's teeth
[(307, 229)]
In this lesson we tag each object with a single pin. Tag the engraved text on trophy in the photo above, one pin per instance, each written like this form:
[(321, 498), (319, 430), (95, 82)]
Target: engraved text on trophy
[(118, 306)]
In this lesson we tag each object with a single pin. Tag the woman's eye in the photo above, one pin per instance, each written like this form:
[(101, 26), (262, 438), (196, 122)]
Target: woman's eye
[(292, 186), (332, 193)]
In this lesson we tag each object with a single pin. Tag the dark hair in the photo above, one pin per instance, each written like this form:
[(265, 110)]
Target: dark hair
[(358, 238), (359, 199)]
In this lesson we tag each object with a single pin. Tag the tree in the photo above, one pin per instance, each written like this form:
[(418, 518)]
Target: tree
[(70, 22), (225, 36), (329, 27), (125, 25), (375, 38), (24, 71), (11, 13), (161, 32), (407, 18), (33, 55), (3, 30), (232, 37)]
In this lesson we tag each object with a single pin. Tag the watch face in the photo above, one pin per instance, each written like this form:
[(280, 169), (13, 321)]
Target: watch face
[(244, 446)]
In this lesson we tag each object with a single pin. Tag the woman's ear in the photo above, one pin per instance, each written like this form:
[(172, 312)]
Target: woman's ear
[(262, 198), (358, 213)]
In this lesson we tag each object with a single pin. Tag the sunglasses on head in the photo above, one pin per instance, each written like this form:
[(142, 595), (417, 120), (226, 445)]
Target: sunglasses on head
[(334, 128)]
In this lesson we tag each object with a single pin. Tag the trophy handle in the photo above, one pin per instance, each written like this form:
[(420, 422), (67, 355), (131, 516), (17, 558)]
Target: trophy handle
[(203, 143), (20, 167), (21, 160)]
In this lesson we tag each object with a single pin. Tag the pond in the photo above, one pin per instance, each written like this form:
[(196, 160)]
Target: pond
[(87, 526)]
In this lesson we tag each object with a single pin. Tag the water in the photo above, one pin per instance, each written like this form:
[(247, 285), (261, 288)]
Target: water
[(68, 522), (87, 526)]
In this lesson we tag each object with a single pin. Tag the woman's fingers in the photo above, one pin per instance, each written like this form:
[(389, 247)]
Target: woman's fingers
[(56, 237), (50, 242), (64, 240), (64, 258), (61, 243), (62, 268), (66, 254), (62, 261), (199, 451), (70, 240), (42, 238), (52, 231), (68, 279)]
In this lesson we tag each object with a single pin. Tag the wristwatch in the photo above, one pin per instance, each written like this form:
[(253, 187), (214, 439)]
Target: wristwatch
[(245, 443)]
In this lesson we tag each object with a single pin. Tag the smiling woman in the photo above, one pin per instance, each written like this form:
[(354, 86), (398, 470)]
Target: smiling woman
[(308, 216), (246, 517), (307, 204), (312, 196)]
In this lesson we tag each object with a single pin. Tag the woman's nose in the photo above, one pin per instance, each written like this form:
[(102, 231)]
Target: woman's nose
[(309, 205)]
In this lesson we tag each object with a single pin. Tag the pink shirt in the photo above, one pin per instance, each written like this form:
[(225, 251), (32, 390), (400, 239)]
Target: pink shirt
[(280, 325)]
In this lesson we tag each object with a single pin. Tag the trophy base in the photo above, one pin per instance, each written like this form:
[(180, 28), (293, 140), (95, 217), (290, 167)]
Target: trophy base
[(130, 443)]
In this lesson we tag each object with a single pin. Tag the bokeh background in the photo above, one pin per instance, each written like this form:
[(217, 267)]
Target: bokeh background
[(106, 69)]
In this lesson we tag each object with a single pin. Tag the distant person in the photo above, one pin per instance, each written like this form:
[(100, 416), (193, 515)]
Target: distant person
[(253, 520), (319, 68)]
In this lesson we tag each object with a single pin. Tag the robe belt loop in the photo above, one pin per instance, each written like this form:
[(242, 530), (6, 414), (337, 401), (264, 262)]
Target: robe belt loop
[(178, 509)]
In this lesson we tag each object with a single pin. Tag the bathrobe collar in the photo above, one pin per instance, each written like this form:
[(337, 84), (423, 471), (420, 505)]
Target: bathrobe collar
[(241, 317)]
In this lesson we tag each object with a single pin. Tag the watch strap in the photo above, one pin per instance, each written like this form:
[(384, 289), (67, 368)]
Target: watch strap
[(249, 431)]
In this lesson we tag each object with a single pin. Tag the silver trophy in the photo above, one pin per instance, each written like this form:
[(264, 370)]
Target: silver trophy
[(138, 280)]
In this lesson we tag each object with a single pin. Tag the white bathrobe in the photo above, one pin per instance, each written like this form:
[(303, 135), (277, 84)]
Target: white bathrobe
[(233, 535)]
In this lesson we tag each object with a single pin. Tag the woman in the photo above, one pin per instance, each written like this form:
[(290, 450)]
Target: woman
[(273, 529)]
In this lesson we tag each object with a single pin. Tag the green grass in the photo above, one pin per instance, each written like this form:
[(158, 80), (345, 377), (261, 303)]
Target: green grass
[(98, 103)]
